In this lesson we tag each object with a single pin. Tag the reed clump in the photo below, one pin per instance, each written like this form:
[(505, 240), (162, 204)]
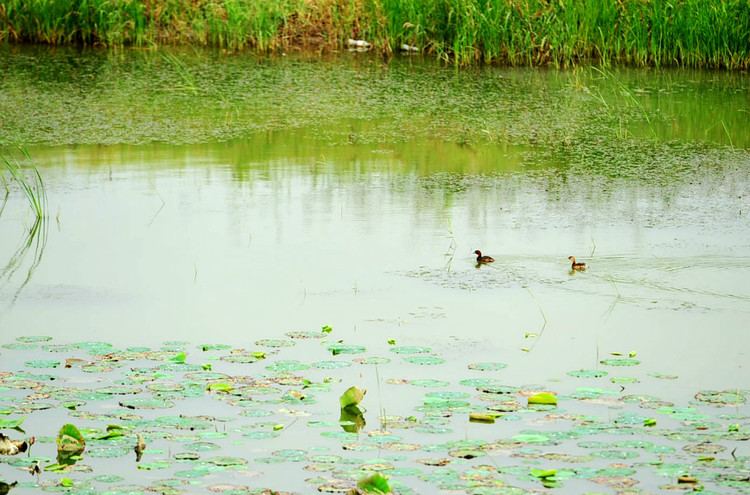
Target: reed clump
[(691, 33)]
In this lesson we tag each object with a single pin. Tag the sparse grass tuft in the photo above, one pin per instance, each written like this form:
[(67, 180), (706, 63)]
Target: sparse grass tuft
[(30, 183)]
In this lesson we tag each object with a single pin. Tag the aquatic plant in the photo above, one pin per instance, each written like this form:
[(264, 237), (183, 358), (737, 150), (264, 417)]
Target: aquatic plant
[(695, 33), (31, 184), (480, 434)]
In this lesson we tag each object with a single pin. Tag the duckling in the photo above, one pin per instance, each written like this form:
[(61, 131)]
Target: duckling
[(483, 259), (576, 266)]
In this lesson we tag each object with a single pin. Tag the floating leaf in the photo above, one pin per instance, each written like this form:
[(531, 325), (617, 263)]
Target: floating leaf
[(587, 373), (282, 366), (544, 398), (219, 387), (543, 473), (146, 404), (328, 365), (620, 362), (487, 366), (424, 360), (42, 364), (352, 397), (372, 360), (70, 439), (410, 350), (726, 397), (275, 343), (483, 417), (339, 348), (376, 483), (34, 338), (178, 358), (305, 335), (11, 423)]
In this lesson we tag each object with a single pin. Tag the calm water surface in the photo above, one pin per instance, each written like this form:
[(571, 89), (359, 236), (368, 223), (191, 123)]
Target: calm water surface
[(365, 219)]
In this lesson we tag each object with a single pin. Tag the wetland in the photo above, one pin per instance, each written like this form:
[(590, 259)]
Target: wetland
[(233, 241)]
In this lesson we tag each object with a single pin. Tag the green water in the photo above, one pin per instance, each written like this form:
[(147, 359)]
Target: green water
[(207, 198)]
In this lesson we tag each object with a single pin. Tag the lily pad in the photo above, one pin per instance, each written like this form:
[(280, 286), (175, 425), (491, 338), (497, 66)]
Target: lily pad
[(429, 383), (372, 360), (146, 404), (725, 398), (409, 350), (285, 366), (487, 366), (275, 343), (337, 349), (587, 373), (34, 338), (424, 360), (329, 365), (620, 362)]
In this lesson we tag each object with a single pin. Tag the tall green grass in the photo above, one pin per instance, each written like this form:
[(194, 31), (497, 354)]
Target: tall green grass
[(692, 33)]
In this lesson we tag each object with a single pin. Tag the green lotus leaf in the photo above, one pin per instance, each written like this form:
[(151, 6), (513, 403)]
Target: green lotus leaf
[(543, 398), (352, 397), (375, 483), (70, 439)]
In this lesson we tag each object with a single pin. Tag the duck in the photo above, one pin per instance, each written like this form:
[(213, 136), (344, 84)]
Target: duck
[(483, 259), (576, 266)]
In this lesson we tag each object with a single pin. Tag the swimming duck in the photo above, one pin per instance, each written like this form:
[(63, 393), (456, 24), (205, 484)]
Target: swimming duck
[(483, 259), (576, 266)]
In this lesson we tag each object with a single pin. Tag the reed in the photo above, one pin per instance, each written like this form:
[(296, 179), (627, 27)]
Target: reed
[(31, 184), (691, 33)]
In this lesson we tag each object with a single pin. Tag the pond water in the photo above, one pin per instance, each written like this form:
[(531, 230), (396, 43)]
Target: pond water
[(198, 198)]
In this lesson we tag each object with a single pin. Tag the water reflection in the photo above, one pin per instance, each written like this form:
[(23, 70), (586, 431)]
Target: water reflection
[(34, 240)]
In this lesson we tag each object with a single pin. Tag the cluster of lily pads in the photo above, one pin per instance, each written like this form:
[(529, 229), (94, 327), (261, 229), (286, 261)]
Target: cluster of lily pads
[(87, 417)]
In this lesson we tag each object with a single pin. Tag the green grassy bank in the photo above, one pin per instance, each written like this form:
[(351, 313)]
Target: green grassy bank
[(692, 33)]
